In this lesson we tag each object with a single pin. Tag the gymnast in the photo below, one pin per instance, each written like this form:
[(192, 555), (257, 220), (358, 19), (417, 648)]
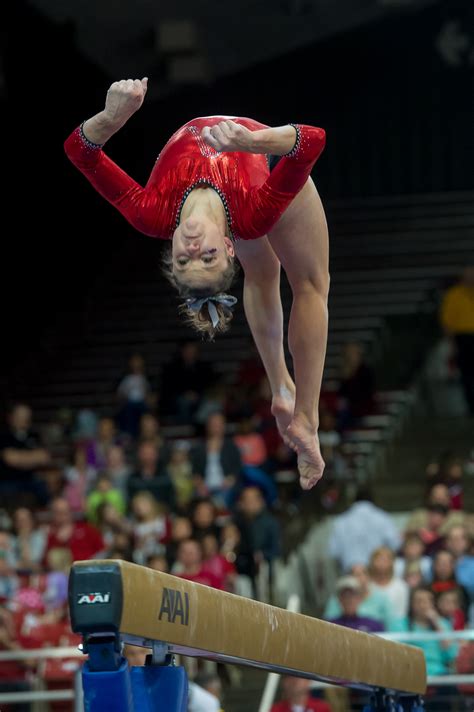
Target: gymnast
[(226, 187)]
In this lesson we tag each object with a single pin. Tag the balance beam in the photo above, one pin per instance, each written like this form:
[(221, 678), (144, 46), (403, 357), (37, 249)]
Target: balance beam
[(146, 606)]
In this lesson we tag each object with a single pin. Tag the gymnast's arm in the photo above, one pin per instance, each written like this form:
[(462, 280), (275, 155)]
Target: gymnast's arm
[(299, 147), (84, 149)]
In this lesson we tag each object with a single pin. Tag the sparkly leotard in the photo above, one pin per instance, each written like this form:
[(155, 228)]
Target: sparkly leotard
[(253, 197)]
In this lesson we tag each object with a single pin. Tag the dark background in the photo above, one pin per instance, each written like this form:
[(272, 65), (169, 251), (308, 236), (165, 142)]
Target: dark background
[(399, 119)]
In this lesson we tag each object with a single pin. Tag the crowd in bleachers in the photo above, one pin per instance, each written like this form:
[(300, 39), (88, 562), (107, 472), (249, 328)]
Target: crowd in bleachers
[(183, 478), (418, 579)]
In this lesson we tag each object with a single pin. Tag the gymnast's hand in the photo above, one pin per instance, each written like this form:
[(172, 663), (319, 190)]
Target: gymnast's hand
[(229, 136), (123, 99)]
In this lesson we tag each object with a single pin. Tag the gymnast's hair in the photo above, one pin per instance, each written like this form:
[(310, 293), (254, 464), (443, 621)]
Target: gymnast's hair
[(201, 320)]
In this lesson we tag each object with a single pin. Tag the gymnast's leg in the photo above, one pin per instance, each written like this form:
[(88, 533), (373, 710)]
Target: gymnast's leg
[(262, 304), (300, 240)]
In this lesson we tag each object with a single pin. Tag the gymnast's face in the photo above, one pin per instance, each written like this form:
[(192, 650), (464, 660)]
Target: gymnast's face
[(200, 251)]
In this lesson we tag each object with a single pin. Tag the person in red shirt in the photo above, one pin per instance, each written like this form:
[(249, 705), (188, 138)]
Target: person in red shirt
[(220, 183), (190, 565), (83, 540), (297, 697)]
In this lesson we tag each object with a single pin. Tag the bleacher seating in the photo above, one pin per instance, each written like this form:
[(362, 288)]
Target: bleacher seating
[(389, 257)]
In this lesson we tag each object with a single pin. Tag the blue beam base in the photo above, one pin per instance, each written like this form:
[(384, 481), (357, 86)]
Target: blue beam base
[(153, 688)]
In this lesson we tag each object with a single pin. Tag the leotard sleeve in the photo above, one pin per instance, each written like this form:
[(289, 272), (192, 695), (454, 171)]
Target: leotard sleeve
[(140, 206), (271, 199)]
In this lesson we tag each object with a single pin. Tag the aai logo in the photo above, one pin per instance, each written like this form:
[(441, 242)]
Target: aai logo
[(92, 598), (174, 606)]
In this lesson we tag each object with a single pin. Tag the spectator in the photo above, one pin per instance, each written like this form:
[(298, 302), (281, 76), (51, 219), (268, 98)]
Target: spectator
[(104, 492), (181, 530), (383, 579), (437, 494), (13, 673), (157, 562), (79, 477), (148, 475), (8, 579), (350, 596), (110, 523), (203, 518), (413, 575), (217, 563), (457, 320), (216, 463), (432, 534), (258, 526), (444, 577), (117, 469), (179, 471), (458, 543), (251, 444), (361, 530), (85, 426), (150, 430), (374, 604), (449, 605), (151, 525), (190, 565), (29, 541), (184, 380), (453, 477), (201, 699), (296, 696), (98, 448), (236, 548), (423, 617), (413, 554), (133, 393), (357, 384), (58, 564), (82, 540), (21, 457)]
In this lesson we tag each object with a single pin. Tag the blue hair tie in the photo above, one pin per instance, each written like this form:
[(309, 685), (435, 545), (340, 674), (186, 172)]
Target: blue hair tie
[(196, 304)]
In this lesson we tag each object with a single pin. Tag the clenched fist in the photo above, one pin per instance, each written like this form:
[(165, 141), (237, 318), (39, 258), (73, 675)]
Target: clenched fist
[(229, 136), (123, 99)]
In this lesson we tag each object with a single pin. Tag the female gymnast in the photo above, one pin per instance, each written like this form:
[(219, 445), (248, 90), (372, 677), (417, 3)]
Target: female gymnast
[(226, 187)]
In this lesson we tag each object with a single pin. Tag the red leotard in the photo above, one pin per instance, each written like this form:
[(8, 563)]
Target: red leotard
[(253, 198)]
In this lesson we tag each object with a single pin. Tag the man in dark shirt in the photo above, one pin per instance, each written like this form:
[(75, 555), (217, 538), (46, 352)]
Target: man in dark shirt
[(21, 456), (148, 476), (184, 381), (262, 527), (349, 593)]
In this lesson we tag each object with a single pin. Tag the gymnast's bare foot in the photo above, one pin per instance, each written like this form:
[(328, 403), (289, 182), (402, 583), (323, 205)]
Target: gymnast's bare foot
[(283, 406), (302, 437)]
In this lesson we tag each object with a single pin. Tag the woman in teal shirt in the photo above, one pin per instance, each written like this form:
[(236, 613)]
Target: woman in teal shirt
[(424, 618)]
